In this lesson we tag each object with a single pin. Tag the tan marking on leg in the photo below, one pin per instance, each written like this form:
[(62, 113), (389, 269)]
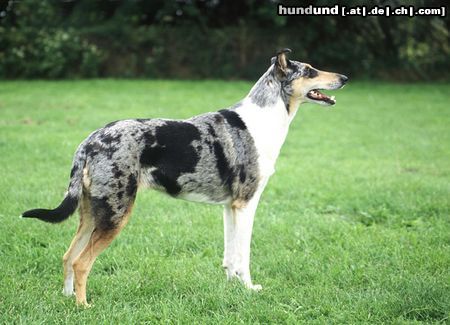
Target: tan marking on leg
[(238, 204), (78, 243), (99, 241), (86, 179)]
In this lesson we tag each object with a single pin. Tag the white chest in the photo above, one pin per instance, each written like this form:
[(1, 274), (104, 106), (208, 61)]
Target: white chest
[(268, 127)]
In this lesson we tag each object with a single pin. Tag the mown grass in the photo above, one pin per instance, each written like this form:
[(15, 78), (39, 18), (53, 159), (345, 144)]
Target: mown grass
[(353, 227)]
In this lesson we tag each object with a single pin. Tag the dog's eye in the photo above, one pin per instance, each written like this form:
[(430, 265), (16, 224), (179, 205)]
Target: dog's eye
[(306, 71), (310, 73)]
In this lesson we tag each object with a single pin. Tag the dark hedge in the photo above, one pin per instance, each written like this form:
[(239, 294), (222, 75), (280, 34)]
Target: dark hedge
[(212, 39)]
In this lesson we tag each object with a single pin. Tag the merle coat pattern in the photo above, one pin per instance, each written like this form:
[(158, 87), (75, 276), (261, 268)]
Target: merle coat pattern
[(211, 156), (224, 157)]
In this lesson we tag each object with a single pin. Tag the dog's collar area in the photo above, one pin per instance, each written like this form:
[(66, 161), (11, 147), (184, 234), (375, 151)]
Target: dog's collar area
[(316, 95)]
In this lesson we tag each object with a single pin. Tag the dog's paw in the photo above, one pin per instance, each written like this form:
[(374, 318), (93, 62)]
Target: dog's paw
[(68, 292), (84, 304), (255, 287)]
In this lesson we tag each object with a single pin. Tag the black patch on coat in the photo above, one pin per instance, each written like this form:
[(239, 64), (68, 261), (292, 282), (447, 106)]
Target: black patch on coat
[(103, 213), (242, 175), (148, 138), (218, 118), (173, 154), (116, 171), (73, 171), (233, 119), (168, 183), (108, 139), (151, 156), (110, 150), (120, 195), (223, 166), (92, 149), (132, 185), (211, 131)]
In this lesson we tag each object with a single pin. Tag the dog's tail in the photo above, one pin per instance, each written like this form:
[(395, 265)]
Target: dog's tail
[(73, 195)]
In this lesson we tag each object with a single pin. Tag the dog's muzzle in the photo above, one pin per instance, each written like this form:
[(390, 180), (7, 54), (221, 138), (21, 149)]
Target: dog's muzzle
[(321, 98)]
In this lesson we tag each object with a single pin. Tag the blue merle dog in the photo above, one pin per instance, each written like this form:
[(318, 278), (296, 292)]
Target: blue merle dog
[(224, 157)]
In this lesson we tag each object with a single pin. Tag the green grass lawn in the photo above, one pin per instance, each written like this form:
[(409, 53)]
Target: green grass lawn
[(354, 226)]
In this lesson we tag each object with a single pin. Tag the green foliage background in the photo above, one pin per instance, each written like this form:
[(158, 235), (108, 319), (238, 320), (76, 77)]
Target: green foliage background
[(213, 39)]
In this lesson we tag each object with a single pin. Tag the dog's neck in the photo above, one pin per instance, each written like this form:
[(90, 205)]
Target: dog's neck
[(268, 90), (268, 111)]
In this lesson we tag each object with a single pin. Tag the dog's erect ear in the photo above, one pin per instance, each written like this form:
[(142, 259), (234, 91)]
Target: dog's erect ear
[(281, 62)]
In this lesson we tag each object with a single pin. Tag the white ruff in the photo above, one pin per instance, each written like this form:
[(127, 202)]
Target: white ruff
[(269, 127)]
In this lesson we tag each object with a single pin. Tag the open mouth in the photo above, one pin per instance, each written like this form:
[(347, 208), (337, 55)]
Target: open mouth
[(317, 96)]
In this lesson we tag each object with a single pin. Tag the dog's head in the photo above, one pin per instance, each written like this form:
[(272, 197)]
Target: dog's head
[(301, 82)]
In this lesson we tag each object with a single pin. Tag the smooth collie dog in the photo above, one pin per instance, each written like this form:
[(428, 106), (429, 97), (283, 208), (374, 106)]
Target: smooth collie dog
[(225, 157)]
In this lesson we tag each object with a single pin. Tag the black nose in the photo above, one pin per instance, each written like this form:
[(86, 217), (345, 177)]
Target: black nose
[(344, 79)]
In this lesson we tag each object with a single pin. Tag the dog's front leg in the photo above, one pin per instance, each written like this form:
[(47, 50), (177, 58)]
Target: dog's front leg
[(228, 237), (238, 225)]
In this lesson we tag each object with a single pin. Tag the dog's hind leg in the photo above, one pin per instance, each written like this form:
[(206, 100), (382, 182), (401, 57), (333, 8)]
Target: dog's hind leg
[(98, 242), (80, 240)]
